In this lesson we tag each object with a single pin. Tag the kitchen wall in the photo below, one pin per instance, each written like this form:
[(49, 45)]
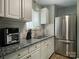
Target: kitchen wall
[(49, 28), (70, 10)]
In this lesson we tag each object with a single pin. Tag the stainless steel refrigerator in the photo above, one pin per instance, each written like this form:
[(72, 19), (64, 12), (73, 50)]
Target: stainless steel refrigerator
[(65, 35)]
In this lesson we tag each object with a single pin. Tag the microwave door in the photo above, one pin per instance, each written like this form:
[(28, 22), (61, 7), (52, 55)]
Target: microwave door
[(9, 39)]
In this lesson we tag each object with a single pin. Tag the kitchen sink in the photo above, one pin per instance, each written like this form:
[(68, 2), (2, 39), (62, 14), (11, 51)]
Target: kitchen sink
[(40, 37)]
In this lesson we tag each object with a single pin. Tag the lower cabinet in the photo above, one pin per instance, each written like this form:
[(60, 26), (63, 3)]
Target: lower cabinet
[(50, 46), (11, 56), (44, 52), (28, 56), (36, 54), (21, 54), (41, 50)]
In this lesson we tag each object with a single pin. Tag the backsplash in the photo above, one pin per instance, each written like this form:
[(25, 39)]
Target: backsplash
[(49, 29), (22, 27)]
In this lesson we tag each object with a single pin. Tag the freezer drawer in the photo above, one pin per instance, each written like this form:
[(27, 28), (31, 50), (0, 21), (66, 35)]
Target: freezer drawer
[(66, 48)]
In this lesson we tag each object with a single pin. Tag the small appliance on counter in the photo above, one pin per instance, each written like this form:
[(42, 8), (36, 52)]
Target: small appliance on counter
[(29, 34), (9, 36)]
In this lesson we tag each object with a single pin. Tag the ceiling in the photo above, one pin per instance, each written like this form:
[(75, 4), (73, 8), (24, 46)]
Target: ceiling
[(57, 2)]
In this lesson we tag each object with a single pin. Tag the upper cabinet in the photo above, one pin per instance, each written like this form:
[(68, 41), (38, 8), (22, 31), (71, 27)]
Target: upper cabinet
[(44, 16), (27, 10), (2, 8), (13, 9), (16, 9)]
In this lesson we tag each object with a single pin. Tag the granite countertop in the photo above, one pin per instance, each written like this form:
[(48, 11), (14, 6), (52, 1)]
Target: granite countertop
[(32, 41), (27, 43)]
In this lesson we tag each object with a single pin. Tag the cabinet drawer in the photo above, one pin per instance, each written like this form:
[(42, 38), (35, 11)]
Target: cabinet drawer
[(26, 57), (17, 54), (38, 45), (44, 43), (23, 52), (11, 56), (34, 47)]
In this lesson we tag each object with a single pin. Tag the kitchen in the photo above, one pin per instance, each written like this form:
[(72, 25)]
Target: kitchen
[(18, 16)]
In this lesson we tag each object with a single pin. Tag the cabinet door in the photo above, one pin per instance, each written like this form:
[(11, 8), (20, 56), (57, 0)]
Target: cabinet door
[(50, 46), (44, 52), (2, 8), (35, 54), (27, 10), (44, 16), (13, 9), (11, 56), (25, 57), (35, 18)]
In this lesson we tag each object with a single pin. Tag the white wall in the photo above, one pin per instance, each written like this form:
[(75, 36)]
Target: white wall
[(51, 9), (60, 11), (49, 29)]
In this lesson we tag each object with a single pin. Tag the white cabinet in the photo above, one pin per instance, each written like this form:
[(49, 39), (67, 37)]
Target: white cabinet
[(44, 51), (41, 50), (12, 56), (19, 54), (44, 16), (27, 10), (13, 9), (50, 46), (16, 9), (35, 18), (26, 57), (36, 54), (1, 8)]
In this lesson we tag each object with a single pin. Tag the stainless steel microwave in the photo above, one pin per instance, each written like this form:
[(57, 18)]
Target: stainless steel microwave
[(9, 36)]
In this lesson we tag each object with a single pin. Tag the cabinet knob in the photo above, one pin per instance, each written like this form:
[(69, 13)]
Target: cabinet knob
[(19, 54), (29, 56), (35, 46)]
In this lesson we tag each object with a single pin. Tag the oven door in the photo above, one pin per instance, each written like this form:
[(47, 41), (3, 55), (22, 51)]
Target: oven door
[(12, 38)]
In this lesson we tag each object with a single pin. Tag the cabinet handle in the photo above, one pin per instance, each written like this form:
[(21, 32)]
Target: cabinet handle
[(35, 46), (29, 56), (19, 54)]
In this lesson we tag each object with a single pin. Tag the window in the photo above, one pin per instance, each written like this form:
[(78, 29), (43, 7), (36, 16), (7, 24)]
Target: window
[(35, 23)]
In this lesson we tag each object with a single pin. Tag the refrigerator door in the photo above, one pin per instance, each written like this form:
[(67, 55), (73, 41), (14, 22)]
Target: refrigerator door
[(65, 27), (65, 49), (60, 27), (65, 35)]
